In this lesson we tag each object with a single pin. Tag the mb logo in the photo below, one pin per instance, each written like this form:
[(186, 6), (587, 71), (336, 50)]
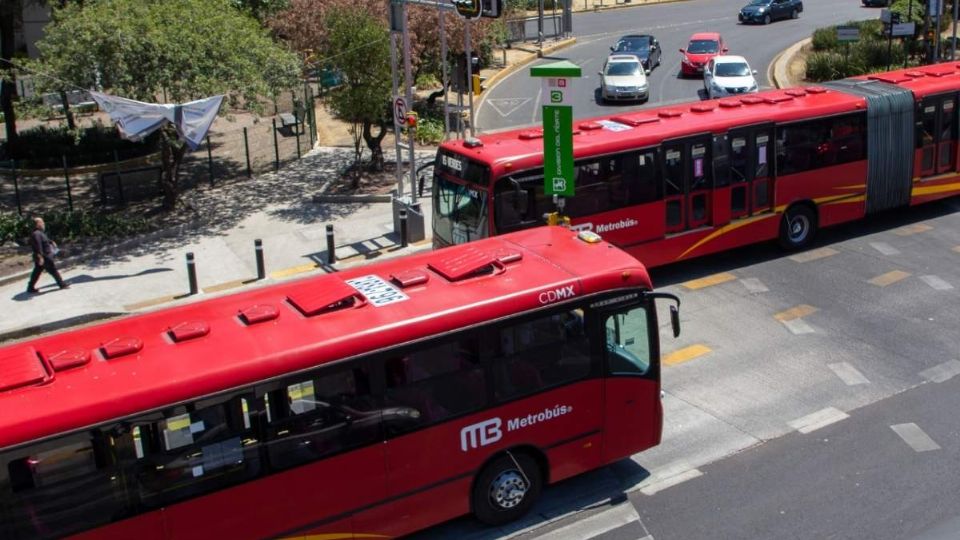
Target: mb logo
[(559, 183), (556, 96), (480, 434)]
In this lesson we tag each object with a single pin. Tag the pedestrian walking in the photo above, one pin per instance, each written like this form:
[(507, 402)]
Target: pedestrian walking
[(44, 251)]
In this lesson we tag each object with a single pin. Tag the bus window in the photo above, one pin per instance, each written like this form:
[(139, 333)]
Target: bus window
[(721, 167), (521, 202), (641, 177), (438, 382), (535, 355), (628, 346), (320, 414), (459, 211), (59, 488)]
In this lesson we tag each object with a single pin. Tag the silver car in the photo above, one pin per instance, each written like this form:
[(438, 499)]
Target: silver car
[(623, 79)]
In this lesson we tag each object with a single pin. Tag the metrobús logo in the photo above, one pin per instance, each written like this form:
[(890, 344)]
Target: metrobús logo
[(490, 431), (606, 227)]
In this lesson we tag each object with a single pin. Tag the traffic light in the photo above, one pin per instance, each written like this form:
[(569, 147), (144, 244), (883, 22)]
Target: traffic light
[(468, 9)]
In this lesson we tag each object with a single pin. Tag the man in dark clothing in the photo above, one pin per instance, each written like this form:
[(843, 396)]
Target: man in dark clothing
[(43, 252)]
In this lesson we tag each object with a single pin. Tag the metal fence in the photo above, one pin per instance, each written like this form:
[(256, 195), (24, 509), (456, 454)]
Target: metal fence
[(263, 146)]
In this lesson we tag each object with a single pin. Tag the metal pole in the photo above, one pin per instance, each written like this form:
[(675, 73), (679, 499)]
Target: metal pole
[(890, 46), (953, 42), (408, 91), (936, 35), (331, 249), (192, 273), (395, 78), (276, 147), (258, 251), (540, 26), (116, 166), (466, 47), (403, 228), (913, 39), (445, 77), (296, 132), (246, 151), (209, 161), (66, 177), (16, 185)]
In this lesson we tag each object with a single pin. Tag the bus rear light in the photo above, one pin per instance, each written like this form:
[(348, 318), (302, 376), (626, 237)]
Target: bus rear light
[(625, 275)]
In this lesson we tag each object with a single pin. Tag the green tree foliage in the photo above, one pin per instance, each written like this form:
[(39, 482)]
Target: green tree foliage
[(188, 49), (362, 48)]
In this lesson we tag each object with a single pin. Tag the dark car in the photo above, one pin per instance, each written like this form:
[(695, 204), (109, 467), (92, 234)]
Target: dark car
[(875, 3), (765, 11), (644, 46)]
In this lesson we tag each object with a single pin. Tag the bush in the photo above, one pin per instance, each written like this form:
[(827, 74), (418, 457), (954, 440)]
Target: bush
[(430, 131), (830, 66), (825, 39), (69, 226), (43, 147)]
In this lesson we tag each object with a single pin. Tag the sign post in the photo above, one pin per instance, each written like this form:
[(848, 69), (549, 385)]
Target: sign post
[(556, 95), (846, 34)]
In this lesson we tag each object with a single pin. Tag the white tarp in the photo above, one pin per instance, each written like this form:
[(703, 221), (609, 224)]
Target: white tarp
[(137, 119)]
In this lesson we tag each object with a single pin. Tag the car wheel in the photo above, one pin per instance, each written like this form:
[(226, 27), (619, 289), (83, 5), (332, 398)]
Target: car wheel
[(794, 14), (766, 19), (506, 489), (798, 226)]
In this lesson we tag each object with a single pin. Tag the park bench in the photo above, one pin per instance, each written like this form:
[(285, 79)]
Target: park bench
[(289, 122)]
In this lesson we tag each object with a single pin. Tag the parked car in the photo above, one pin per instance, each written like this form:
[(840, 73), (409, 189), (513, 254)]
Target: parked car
[(702, 47), (875, 3), (643, 46), (728, 76), (764, 11), (623, 78)]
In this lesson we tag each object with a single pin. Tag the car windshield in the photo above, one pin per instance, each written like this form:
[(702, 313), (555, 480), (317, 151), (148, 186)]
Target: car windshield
[(633, 44), (702, 46), (759, 2), (732, 69), (623, 68)]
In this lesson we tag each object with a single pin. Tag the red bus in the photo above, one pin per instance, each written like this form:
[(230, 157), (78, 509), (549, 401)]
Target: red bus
[(371, 402), (681, 181)]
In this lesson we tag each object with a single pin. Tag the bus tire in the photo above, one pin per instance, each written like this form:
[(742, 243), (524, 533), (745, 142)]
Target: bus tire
[(798, 227), (503, 492)]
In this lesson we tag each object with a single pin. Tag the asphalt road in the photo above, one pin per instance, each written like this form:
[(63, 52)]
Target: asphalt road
[(514, 101), (811, 395)]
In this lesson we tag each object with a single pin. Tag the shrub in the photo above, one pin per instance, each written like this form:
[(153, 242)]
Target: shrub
[(430, 131), (69, 226), (44, 147), (825, 39)]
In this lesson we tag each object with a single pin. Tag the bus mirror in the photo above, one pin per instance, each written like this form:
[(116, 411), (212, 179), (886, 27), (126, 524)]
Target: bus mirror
[(675, 321)]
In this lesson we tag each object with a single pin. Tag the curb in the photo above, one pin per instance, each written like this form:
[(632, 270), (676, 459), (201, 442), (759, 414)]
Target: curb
[(778, 73), (534, 55)]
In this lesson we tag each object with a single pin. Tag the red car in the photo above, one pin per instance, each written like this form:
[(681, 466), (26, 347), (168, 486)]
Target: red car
[(702, 47)]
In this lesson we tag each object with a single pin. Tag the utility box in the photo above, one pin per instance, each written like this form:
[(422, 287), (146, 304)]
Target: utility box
[(415, 222)]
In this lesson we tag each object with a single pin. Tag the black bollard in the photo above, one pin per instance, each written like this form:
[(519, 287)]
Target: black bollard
[(403, 228), (258, 248), (331, 256), (192, 273)]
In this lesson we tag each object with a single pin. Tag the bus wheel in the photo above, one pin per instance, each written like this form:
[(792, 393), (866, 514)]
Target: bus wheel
[(798, 227), (506, 489)]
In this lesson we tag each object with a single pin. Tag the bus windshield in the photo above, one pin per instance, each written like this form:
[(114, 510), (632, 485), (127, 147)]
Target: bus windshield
[(459, 212)]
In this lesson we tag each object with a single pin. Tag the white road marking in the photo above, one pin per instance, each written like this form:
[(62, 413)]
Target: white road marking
[(798, 326), (595, 525), (848, 374), (937, 283), (943, 372), (754, 285), (884, 248), (819, 419), (671, 481), (510, 105), (915, 437)]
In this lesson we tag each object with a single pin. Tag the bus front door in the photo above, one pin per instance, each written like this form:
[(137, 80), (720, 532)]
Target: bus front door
[(937, 135), (751, 182)]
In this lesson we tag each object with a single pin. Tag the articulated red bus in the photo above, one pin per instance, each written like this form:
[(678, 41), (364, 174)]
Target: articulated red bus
[(682, 181), (367, 403)]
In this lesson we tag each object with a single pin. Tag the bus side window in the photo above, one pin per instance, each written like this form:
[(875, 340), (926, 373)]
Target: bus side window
[(721, 164), (436, 382), (60, 487), (193, 449), (320, 414), (538, 354), (627, 343)]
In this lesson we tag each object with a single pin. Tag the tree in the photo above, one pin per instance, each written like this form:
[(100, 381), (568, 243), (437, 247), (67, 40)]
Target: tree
[(188, 49), (362, 47)]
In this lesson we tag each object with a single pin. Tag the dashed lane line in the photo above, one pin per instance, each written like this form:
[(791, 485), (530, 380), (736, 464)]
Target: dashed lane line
[(709, 281), (754, 285), (848, 374), (912, 229), (685, 354), (884, 248), (915, 437), (813, 255), (795, 313), (943, 372), (936, 283), (889, 278), (819, 419), (660, 485)]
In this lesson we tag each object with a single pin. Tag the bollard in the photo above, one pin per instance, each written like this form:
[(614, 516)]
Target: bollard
[(258, 249), (192, 273), (403, 227), (331, 256)]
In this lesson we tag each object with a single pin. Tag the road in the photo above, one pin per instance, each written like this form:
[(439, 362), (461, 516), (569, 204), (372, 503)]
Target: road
[(810, 395), (514, 101)]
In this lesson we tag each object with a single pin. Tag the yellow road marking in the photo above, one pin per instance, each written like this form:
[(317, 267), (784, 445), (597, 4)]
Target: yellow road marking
[(957, 249), (889, 278), (795, 313), (225, 286), (293, 271), (708, 281), (813, 255), (912, 229), (684, 355)]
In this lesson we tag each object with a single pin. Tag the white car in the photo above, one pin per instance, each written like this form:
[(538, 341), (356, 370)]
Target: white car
[(623, 78), (729, 75)]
